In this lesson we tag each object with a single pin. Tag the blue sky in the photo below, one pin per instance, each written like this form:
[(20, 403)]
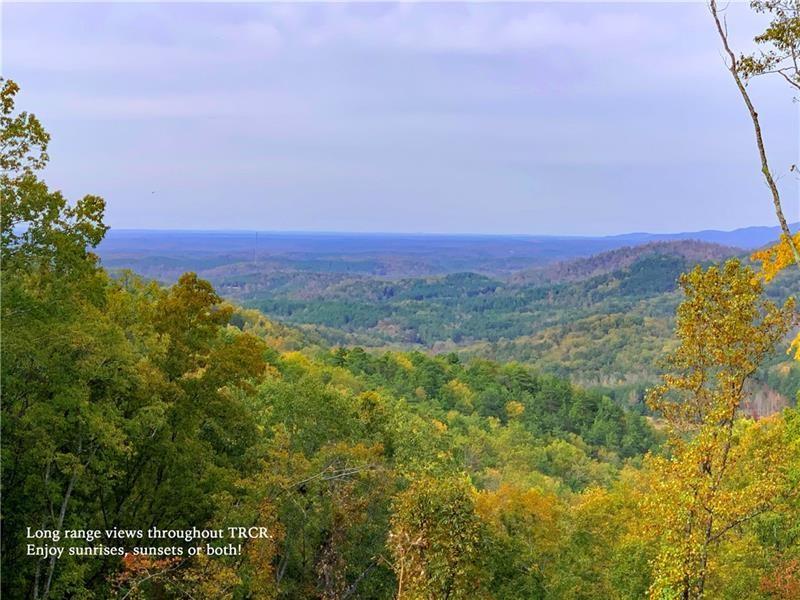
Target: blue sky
[(534, 118)]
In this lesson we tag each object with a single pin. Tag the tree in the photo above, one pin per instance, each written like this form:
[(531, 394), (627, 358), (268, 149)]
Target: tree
[(23, 140), (773, 260), (436, 539), (779, 52), (122, 401), (782, 40), (60, 369), (716, 479), (522, 539)]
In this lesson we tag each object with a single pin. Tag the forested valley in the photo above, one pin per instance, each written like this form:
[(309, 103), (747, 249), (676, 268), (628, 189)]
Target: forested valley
[(603, 321), (403, 474)]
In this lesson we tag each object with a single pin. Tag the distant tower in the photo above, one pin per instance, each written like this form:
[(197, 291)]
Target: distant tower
[(255, 251)]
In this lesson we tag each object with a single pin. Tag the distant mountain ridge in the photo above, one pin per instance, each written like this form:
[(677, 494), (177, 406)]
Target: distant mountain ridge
[(211, 240), (164, 254), (621, 258), (747, 237)]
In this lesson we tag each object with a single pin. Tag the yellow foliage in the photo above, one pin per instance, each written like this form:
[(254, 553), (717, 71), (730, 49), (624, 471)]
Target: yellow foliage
[(297, 358), (403, 361), (510, 510), (773, 260), (693, 507), (436, 540), (726, 328), (514, 409), (440, 427), (776, 258), (729, 471), (459, 395)]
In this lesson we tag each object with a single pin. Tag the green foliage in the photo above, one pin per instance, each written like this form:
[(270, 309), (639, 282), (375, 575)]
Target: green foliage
[(120, 403), (437, 540), (550, 407), (378, 474), (607, 330), (779, 44)]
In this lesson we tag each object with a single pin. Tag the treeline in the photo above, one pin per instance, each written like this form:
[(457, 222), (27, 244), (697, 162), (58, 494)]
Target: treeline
[(397, 475)]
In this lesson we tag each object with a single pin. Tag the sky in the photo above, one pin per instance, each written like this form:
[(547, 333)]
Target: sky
[(535, 118)]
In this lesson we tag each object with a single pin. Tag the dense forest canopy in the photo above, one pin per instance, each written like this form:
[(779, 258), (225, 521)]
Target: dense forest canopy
[(132, 405), (600, 321)]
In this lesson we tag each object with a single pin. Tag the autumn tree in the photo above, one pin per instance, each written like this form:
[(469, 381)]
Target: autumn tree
[(715, 478), (779, 54), (774, 260), (522, 539), (435, 540)]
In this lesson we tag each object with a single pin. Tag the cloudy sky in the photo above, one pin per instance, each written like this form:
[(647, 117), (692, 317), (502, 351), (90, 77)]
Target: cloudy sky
[(539, 118)]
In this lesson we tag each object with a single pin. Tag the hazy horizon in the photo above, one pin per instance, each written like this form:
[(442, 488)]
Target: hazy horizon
[(793, 226), (468, 119)]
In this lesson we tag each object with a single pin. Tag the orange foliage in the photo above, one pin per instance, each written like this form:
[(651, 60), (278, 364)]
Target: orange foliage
[(784, 582)]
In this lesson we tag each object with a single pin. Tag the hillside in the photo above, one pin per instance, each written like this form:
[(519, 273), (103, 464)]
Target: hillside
[(573, 270), (599, 320), (606, 321), (463, 308)]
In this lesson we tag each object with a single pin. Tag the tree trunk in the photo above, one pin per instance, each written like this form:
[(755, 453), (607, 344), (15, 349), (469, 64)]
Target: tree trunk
[(762, 153)]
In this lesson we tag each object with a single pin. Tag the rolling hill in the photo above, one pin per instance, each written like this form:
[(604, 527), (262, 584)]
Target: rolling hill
[(603, 320)]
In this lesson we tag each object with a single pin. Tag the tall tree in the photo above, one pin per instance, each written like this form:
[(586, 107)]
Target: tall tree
[(60, 370), (726, 329), (781, 43)]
